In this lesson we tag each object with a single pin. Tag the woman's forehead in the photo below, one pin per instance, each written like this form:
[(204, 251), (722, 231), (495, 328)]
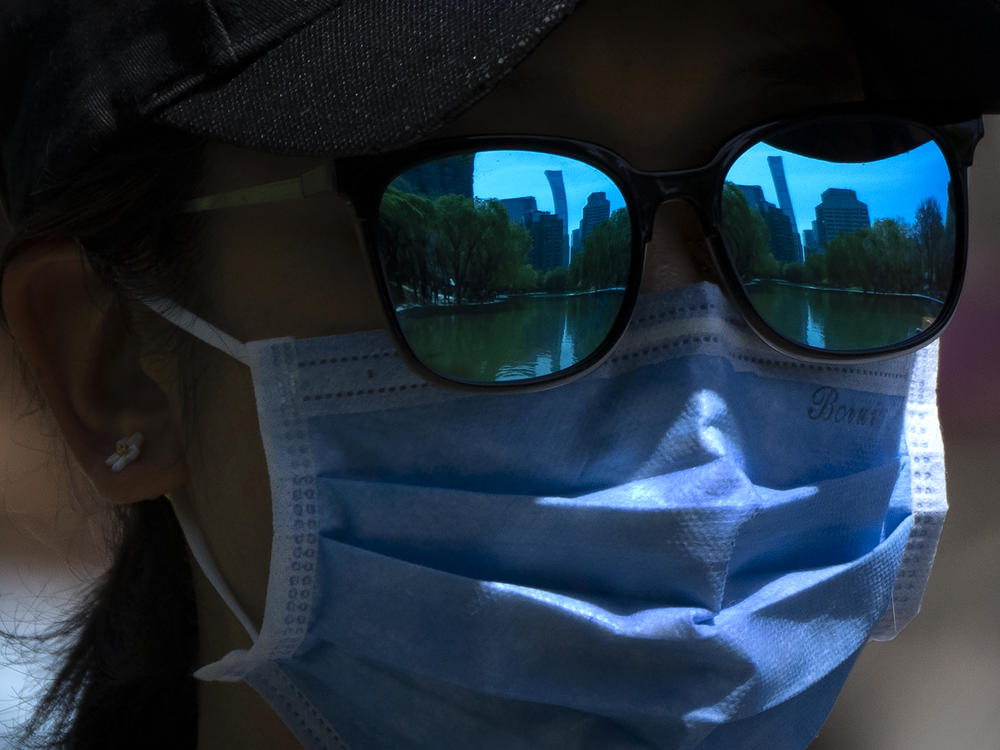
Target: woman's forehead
[(664, 83)]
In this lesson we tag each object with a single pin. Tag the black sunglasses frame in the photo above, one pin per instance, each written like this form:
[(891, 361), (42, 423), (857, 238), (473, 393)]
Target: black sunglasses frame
[(363, 180)]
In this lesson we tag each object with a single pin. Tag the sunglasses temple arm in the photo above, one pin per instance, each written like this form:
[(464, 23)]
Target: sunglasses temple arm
[(318, 180)]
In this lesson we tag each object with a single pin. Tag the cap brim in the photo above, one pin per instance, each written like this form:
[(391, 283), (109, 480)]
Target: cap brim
[(369, 76), (372, 76)]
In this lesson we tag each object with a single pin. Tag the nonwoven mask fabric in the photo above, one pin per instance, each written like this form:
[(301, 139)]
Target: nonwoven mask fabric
[(685, 548)]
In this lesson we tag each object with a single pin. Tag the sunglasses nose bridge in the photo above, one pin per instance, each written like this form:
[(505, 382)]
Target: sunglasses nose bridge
[(694, 187)]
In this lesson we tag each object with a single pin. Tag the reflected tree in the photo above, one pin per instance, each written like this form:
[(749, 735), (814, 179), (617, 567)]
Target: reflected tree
[(747, 237), (936, 243), (890, 256), (607, 255), (452, 249), (815, 269), (846, 260), (406, 227), (884, 258)]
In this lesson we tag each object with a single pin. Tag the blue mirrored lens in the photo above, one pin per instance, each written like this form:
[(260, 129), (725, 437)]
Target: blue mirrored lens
[(504, 265), (843, 235)]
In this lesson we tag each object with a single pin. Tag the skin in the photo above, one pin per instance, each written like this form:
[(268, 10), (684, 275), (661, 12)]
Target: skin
[(664, 84)]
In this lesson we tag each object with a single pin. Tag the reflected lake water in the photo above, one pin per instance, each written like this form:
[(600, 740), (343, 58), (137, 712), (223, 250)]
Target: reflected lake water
[(842, 320), (511, 338), (528, 336)]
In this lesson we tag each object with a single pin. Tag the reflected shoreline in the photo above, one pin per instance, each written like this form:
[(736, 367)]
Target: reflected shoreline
[(820, 288), (522, 336), (841, 319), (417, 309)]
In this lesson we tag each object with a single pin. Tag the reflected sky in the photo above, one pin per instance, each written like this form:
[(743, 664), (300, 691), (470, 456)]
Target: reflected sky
[(514, 174), (891, 187)]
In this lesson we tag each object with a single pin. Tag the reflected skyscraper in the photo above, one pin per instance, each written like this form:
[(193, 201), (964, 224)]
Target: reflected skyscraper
[(547, 240), (597, 210), (839, 211), (810, 243), (545, 229), (449, 176), (519, 210), (555, 178), (754, 195), (777, 167)]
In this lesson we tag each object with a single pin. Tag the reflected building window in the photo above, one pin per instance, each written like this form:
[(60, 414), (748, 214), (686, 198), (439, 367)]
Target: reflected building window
[(839, 211)]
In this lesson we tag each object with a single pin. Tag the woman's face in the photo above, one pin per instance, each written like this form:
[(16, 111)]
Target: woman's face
[(661, 83)]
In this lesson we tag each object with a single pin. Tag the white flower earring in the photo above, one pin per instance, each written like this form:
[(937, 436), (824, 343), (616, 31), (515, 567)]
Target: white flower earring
[(126, 451)]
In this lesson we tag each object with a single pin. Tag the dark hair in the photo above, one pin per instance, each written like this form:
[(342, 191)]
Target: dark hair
[(125, 657)]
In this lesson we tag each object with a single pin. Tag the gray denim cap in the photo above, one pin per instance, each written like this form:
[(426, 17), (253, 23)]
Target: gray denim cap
[(354, 76)]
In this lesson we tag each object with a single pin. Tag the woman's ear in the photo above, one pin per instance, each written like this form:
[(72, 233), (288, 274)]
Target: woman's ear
[(88, 368)]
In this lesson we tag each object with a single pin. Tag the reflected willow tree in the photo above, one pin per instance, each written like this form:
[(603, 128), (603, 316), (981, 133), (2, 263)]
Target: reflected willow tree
[(891, 256), (879, 259), (747, 236), (451, 249), (606, 257), (936, 238), (477, 247), (895, 257), (405, 228)]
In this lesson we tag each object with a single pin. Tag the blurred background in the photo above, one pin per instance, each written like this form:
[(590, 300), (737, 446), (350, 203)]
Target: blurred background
[(936, 687)]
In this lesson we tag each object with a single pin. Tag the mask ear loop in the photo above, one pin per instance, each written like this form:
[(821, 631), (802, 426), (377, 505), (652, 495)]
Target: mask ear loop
[(202, 329), (188, 321), (203, 556)]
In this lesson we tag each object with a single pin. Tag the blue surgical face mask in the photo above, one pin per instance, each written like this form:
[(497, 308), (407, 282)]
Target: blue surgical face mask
[(685, 548)]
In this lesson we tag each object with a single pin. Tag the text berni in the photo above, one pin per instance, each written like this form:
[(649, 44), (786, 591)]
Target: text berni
[(826, 407)]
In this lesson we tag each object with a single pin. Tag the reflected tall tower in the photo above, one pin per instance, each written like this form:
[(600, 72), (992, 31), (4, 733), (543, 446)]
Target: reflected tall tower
[(555, 178), (777, 167), (597, 210)]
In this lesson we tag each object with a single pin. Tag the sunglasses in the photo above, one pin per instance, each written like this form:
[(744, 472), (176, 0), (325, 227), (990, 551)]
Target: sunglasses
[(515, 261)]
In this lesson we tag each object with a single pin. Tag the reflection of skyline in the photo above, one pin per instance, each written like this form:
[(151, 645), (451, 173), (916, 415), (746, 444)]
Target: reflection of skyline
[(597, 210), (555, 178), (839, 210), (891, 187), (551, 244), (506, 175), (777, 167), (779, 226), (449, 176)]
